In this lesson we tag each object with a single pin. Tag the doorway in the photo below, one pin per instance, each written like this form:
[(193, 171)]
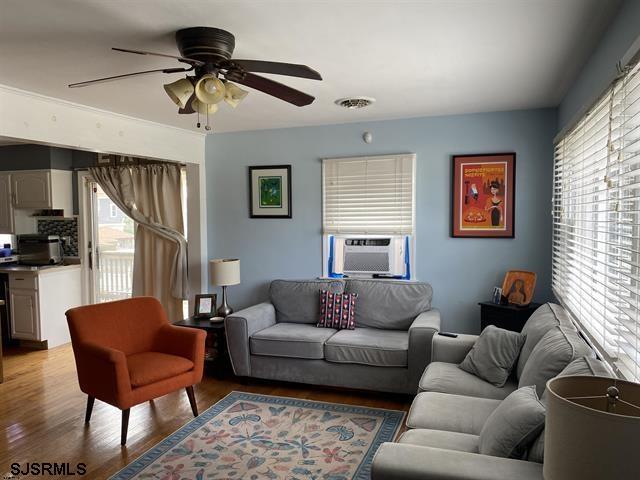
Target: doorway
[(110, 247), (107, 239)]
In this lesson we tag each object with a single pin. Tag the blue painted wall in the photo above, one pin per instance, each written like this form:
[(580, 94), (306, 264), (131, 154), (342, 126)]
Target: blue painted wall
[(600, 69), (462, 271)]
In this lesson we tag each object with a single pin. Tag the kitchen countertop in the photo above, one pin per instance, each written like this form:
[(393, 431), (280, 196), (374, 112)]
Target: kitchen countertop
[(8, 268)]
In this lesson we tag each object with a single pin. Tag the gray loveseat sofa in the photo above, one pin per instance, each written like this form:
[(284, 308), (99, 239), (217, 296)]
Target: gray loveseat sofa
[(446, 418), (388, 350)]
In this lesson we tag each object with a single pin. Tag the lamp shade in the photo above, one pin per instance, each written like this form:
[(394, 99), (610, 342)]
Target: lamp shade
[(233, 94), (223, 272), (203, 108), (584, 439), (179, 91), (209, 89)]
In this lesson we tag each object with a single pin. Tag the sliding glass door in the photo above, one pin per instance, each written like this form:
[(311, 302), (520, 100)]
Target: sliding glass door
[(110, 245)]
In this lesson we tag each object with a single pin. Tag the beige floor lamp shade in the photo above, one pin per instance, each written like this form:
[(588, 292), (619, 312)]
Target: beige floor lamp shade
[(222, 273), (592, 431)]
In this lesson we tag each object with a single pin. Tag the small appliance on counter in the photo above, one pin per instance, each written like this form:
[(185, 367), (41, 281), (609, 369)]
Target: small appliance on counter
[(39, 249), (6, 250)]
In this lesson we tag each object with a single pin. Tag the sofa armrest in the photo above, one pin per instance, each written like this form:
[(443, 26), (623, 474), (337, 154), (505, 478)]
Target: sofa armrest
[(421, 334), (395, 461), (451, 350), (102, 372), (239, 327)]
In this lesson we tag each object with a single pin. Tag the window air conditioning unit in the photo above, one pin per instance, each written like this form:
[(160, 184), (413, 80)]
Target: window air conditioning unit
[(358, 256)]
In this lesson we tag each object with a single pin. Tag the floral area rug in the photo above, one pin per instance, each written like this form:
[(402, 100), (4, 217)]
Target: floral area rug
[(254, 437)]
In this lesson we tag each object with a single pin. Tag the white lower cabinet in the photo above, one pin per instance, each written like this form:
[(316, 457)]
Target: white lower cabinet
[(25, 323), (39, 301)]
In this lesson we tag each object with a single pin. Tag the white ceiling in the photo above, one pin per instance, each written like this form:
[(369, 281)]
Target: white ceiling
[(416, 58)]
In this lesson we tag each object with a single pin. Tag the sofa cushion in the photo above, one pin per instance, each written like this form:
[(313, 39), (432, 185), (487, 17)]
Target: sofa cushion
[(389, 304), (296, 301), (493, 355), (449, 378), (369, 346), (512, 427), (543, 319), (557, 349), (151, 367), (536, 450), (337, 310), (452, 413), (461, 442), (587, 366), (583, 366), (294, 340)]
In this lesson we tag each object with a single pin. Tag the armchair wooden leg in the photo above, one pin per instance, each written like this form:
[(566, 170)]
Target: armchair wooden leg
[(125, 426), (87, 415), (192, 400)]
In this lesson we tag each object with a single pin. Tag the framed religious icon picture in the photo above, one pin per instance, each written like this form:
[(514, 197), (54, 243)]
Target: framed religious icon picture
[(270, 191), (483, 195), (518, 287)]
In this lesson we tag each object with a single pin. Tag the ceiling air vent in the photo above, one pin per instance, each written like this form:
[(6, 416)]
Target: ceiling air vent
[(355, 102)]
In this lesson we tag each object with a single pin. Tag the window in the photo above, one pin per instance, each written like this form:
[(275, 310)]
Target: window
[(370, 199), (596, 223), (113, 211)]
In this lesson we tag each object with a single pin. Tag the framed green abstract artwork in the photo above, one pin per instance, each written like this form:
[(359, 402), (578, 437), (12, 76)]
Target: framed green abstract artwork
[(270, 191)]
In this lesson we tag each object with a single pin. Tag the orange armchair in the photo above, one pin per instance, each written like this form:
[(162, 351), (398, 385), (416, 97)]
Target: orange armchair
[(127, 353)]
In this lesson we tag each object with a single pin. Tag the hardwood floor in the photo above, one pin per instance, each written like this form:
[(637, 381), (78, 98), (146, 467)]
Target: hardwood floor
[(42, 413)]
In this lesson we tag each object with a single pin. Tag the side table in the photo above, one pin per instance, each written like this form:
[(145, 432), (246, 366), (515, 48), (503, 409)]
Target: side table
[(216, 357), (509, 317)]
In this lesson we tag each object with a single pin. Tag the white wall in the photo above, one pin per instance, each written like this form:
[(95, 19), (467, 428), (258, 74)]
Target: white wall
[(33, 117)]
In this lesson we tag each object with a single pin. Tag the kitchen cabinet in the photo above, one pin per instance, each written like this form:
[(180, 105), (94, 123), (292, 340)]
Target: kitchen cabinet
[(7, 224), (42, 189), (39, 299), (25, 321)]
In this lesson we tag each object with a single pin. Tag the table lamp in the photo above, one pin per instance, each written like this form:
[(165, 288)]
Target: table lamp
[(222, 273), (592, 429)]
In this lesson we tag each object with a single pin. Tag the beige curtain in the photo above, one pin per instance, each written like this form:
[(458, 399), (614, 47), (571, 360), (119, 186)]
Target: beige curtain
[(150, 195)]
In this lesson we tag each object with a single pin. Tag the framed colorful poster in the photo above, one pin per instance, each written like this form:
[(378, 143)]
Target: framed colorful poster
[(270, 191), (483, 203)]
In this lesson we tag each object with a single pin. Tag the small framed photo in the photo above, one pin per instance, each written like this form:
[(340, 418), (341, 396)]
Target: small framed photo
[(205, 305), (270, 191), (497, 295)]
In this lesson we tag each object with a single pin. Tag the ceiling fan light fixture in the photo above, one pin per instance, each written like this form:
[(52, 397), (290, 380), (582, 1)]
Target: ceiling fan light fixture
[(179, 91), (209, 89), (233, 94)]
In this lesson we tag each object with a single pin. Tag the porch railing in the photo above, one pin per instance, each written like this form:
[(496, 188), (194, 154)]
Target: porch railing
[(115, 275)]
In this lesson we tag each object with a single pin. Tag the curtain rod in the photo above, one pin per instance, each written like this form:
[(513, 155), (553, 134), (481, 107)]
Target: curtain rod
[(629, 59), (79, 169)]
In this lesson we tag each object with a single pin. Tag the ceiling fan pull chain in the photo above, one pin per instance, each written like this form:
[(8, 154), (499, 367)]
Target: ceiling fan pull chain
[(207, 126), (198, 124)]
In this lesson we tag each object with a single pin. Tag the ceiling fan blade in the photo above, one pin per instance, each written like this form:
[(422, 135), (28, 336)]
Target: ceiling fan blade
[(290, 69), (276, 89), (195, 63), (188, 109), (118, 77)]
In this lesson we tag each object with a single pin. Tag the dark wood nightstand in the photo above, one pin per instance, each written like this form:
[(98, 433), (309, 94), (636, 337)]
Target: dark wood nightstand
[(509, 317), (216, 357)]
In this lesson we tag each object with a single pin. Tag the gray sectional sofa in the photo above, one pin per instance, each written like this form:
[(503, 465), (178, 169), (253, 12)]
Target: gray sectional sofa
[(388, 350), (447, 416)]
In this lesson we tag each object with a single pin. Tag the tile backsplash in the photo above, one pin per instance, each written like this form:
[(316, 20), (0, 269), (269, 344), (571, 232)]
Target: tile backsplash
[(67, 227)]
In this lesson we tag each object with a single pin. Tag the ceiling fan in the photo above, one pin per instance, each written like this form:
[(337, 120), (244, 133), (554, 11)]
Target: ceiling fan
[(207, 52)]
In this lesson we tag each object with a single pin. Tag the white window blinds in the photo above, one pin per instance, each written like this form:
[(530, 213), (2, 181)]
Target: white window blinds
[(596, 223), (369, 195)]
